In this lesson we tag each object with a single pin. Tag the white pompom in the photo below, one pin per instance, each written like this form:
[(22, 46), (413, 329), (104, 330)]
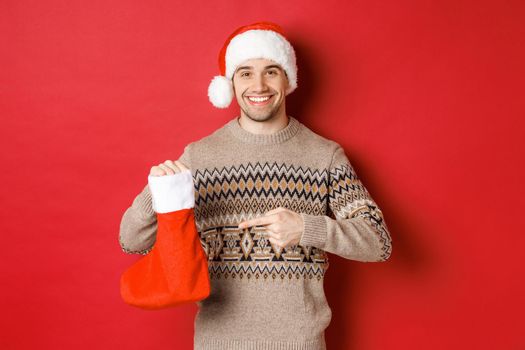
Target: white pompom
[(220, 91)]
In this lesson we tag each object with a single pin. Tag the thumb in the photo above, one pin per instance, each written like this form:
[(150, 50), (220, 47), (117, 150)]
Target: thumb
[(274, 211)]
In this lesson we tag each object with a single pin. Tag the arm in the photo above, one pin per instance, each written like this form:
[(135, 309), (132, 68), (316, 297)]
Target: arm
[(138, 227), (359, 231)]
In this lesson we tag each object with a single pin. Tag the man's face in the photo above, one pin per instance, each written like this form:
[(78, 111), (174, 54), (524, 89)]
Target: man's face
[(260, 88)]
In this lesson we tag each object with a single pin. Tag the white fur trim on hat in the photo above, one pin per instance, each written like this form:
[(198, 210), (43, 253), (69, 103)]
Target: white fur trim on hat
[(257, 43), (220, 91)]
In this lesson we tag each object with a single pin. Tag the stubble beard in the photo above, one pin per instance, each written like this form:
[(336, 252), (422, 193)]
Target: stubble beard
[(262, 118)]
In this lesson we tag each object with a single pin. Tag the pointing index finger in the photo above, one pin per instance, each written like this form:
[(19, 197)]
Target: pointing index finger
[(261, 220)]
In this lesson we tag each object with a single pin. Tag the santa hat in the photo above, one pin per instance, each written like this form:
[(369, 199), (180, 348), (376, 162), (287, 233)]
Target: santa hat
[(257, 40)]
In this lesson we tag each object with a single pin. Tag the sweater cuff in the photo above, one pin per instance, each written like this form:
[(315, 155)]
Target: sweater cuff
[(314, 231), (172, 192)]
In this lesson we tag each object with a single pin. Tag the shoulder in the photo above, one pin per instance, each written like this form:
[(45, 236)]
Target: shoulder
[(331, 150), (313, 140), (209, 141)]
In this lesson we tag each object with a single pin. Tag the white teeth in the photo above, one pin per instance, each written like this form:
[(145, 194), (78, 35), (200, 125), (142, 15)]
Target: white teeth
[(258, 99)]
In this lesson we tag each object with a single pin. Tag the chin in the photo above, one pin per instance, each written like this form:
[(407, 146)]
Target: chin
[(260, 117)]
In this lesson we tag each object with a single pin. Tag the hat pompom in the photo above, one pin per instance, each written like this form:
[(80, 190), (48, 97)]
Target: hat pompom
[(220, 91)]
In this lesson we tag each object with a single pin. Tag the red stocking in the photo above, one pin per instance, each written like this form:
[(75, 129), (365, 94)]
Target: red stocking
[(175, 271)]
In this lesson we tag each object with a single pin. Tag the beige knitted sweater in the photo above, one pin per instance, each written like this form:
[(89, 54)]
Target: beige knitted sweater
[(263, 296)]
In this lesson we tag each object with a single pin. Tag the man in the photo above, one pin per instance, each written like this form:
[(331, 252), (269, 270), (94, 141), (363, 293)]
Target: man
[(271, 198)]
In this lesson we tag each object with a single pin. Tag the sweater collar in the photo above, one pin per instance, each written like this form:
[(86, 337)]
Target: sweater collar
[(264, 139)]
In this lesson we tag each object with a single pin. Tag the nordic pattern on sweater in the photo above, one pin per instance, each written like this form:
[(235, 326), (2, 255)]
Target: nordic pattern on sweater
[(237, 176), (228, 195)]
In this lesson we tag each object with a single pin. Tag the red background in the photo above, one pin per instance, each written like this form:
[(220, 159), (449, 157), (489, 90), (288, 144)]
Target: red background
[(426, 97)]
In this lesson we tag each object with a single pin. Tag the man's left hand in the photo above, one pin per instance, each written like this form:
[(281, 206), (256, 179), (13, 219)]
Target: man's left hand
[(284, 227)]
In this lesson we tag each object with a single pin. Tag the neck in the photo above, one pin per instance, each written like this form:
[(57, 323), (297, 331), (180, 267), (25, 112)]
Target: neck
[(269, 126), (282, 135)]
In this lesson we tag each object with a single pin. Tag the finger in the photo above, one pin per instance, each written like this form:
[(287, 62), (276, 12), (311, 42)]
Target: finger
[(156, 171), (172, 166), (261, 220), (181, 166), (274, 234), (166, 169), (276, 242), (276, 210), (273, 228), (269, 234)]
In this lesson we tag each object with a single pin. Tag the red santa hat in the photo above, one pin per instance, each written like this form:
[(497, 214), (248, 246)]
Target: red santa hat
[(257, 40)]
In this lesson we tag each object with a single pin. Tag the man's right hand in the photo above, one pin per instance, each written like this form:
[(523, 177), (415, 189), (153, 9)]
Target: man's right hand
[(167, 168), (171, 187)]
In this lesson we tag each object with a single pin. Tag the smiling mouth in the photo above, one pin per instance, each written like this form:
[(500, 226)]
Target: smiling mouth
[(259, 100)]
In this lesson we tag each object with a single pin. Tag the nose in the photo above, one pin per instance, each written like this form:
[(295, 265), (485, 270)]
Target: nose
[(259, 84)]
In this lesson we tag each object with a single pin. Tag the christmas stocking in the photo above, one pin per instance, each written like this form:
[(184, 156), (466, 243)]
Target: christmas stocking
[(175, 271)]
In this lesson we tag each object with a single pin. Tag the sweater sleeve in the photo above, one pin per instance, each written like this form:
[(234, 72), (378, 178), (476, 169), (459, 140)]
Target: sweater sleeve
[(355, 228), (138, 226)]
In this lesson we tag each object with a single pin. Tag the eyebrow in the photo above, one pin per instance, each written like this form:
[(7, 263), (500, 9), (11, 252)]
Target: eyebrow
[(267, 67)]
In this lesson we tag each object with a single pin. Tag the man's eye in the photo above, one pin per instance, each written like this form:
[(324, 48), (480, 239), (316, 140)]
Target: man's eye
[(272, 72), (245, 74)]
